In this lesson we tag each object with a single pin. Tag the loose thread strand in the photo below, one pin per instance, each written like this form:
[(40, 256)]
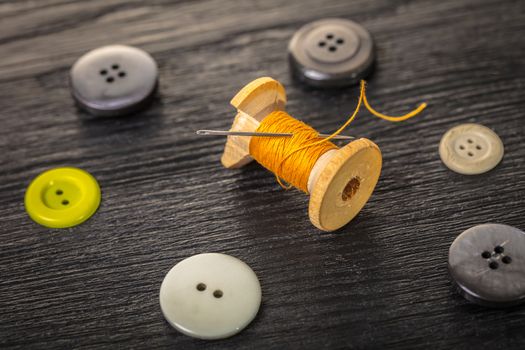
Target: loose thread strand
[(391, 118)]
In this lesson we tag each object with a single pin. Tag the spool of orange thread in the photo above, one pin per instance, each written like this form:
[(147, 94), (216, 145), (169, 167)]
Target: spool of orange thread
[(339, 180)]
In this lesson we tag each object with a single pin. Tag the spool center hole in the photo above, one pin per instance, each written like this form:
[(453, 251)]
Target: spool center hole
[(350, 189)]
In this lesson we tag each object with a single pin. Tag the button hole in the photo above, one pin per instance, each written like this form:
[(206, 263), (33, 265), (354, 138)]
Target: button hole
[(461, 147), (469, 141), (332, 48), (498, 249), (471, 154), (340, 41), (65, 202), (478, 147), (59, 192), (110, 79), (201, 287), (485, 255), (103, 72), (493, 265), (122, 74), (217, 294), (329, 36), (322, 43), (506, 260), (115, 66)]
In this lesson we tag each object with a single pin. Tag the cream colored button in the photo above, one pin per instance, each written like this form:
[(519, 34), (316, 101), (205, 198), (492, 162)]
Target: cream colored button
[(470, 149), (210, 296)]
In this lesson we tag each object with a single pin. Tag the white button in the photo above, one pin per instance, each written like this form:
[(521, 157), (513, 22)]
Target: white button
[(210, 296), (470, 149)]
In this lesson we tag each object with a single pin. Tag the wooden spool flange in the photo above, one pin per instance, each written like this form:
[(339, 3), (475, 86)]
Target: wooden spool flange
[(341, 181)]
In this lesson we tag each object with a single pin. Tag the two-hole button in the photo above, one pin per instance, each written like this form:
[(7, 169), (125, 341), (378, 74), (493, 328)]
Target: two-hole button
[(62, 197), (487, 263), (210, 296), (201, 287)]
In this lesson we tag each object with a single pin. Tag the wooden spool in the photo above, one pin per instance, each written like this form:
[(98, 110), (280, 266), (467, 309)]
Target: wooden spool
[(341, 181)]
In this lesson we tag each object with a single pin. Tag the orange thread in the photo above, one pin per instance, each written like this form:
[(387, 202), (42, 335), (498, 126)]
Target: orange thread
[(293, 158), (274, 152)]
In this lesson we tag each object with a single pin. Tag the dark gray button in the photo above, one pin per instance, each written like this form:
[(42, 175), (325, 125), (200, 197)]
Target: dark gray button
[(487, 263), (331, 52), (114, 80)]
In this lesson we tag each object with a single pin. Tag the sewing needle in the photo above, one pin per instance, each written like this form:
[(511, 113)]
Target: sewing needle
[(262, 134)]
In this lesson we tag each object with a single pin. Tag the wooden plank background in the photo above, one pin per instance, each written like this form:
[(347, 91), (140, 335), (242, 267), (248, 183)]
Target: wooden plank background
[(381, 282)]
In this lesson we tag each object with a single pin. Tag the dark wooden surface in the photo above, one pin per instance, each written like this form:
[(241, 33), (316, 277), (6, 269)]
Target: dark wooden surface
[(381, 282)]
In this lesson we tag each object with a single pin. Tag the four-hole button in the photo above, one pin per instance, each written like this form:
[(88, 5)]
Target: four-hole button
[(470, 149), (114, 80), (331, 52), (487, 263)]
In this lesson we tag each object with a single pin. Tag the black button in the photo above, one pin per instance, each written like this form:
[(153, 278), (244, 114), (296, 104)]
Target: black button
[(331, 52), (114, 80), (487, 263)]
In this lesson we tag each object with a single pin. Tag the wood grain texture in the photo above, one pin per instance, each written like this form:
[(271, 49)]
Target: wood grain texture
[(380, 282)]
